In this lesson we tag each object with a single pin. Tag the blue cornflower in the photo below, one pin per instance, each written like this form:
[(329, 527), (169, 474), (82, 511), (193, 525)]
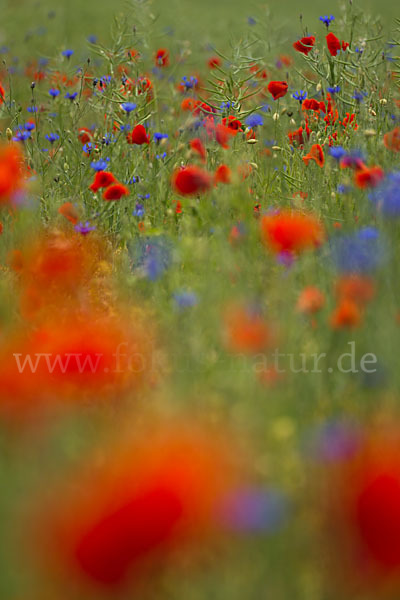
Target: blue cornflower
[(84, 228), (334, 90), (128, 107), (343, 189), (72, 96), (43, 61), (327, 20), (337, 152), (227, 105), (360, 252), (152, 254), (100, 165), (32, 109), (359, 96), (359, 50), (29, 126), (254, 120), (386, 197), (126, 127), (87, 148), (21, 136), (139, 210), (251, 21), (188, 84), (108, 139), (52, 137), (266, 108), (185, 299), (54, 92), (160, 136), (143, 196), (67, 53), (300, 95), (92, 39), (161, 156)]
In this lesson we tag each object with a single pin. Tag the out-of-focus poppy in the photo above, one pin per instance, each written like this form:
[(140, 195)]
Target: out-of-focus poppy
[(391, 139), (198, 147), (118, 523), (162, 58), (69, 211), (356, 287), (310, 300), (191, 180), (214, 62), (368, 177), (222, 174), (291, 231), (346, 315), (11, 173), (246, 331)]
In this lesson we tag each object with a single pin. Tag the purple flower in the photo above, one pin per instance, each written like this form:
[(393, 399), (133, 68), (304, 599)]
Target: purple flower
[(84, 228)]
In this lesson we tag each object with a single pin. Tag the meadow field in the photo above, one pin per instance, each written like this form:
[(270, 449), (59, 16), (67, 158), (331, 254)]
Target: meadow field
[(199, 300)]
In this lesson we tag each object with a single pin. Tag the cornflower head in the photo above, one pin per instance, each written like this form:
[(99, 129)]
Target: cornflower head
[(300, 95), (327, 20)]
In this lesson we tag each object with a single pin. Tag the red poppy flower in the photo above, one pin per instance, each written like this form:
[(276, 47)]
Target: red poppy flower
[(69, 211), (138, 136), (84, 135), (246, 331), (115, 192), (311, 300), (214, 62), (223, 135), (189, 104), (312, 104), (317, 154), (191, 181), (305, 44), (333, 44), (110, 523), (277, 89), (102, 179), (11, 173), (232, 123), (162, 58), (358, 288), (346, 315), (368, 177), (2, 94), (391, 139), (198, 147), (290, 231), (297, 136), (222, 174)]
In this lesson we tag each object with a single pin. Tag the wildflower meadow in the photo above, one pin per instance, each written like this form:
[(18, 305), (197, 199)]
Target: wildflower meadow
[(199, 300)]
